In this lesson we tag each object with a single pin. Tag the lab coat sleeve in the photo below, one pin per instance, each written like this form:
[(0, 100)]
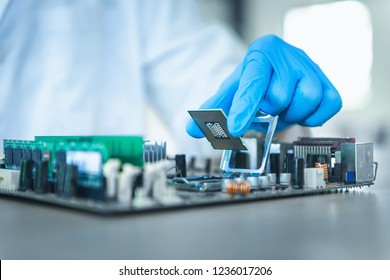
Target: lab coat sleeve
[(185, 61)]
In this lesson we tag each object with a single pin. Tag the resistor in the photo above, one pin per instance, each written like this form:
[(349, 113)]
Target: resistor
[(325, 167), (238, 188)]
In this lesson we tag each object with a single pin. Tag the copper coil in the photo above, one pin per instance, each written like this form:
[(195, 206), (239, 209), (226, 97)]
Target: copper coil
[(238, 188), (323, 166), (245, 188)]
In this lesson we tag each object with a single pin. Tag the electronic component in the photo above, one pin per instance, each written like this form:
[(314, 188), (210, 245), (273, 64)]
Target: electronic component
[(357, 162), (154, 151), (285, 179), (213, 124), (314, 178), (9, 180), (298, 173), (234, 187), (181, 168)]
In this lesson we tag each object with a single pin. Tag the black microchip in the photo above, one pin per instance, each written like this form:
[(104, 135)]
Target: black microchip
[(26, 154), (213, 124), (36, 156), (16, 156), (8, 156), (60, 157)]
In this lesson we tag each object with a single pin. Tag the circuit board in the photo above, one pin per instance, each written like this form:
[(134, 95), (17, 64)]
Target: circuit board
[(180, 200), (110, 175)]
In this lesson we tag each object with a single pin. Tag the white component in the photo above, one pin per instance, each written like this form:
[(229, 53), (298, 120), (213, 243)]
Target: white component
[(285, 179), (141, 200), (254, 182), (264, 181), (272, 179), (126, 182), (314, 178), (275, 148), (9, 179), (160, 182), (155, 182), (110, 171), (337, 156)]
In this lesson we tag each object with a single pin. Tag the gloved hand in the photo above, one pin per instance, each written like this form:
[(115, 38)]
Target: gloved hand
[(278, 79)]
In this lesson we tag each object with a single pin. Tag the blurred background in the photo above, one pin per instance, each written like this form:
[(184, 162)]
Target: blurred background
[(348, 39)]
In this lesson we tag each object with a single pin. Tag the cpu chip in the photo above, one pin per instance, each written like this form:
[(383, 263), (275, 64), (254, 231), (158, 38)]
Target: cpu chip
[(213, 124)]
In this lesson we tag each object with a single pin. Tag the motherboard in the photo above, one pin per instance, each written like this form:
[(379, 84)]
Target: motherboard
[(112, 175)]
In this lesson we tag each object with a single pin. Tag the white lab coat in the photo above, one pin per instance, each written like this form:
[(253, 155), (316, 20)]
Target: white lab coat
[(71, 67)]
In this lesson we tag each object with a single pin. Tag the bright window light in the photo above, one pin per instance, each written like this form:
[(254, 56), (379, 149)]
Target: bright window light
[(338, 37)]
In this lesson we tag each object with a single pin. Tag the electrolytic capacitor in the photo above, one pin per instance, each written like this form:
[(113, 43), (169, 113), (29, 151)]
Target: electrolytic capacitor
[(42, 184), (285, 179), (274, 161), (181, 168), (26, 175), (207, 168), (70, 182), (272, 179), (253, 182), (60, 178), (264, 182), (298, 173), (288, 163)]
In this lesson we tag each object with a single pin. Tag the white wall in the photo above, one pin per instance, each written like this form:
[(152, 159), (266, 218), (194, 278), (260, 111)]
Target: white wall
[(262, 17)]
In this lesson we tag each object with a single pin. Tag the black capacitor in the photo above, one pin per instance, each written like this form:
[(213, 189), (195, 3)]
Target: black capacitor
[(70, 180), (298, 173), (336, 176), (60, 178), (274, 165), (36, 156), (288, 163), (26, 175), (41, 183), (181, 167), (191, 166), (207, 168), (138, 183)]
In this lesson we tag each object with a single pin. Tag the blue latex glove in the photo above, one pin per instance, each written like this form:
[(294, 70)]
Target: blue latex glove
[(278, 79)]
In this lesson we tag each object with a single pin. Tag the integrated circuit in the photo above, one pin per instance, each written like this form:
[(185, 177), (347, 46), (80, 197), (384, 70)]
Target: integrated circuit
[(213, 124)]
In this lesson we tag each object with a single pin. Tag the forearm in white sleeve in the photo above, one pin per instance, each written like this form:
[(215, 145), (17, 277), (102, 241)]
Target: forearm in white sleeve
[(186, 59)]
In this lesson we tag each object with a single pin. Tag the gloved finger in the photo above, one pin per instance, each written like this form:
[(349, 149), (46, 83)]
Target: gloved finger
[(330, 105), (280, 92), (193, 129), (307, 97), (222, 99), (253, 84)]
